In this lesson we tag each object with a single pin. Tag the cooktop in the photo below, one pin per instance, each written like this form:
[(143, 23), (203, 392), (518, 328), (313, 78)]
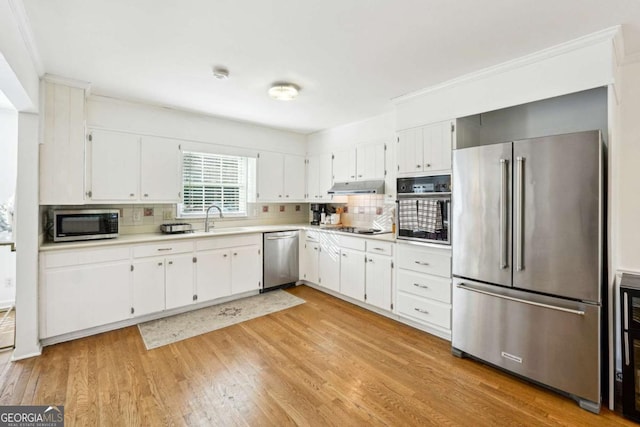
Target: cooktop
[(357, 230)]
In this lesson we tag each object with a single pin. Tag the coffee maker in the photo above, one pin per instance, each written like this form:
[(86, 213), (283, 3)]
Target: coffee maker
[(317, 209)]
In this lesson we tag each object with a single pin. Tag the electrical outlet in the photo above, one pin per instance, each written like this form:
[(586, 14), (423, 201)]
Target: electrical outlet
[(137, 215), (167, 215)]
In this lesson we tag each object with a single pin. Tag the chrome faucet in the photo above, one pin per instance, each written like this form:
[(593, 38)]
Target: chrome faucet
[(206, 220)]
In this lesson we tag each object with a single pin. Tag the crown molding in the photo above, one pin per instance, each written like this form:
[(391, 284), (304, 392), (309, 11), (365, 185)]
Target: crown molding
[(20, 14), (80, 84), (572, 45)]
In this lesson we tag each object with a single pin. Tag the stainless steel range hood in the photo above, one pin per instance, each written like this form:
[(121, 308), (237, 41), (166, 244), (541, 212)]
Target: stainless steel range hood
[(358, 187)]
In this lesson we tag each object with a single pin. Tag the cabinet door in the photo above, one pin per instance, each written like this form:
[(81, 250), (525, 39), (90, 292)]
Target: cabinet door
[(246, 269), (148, 286), (370, 162), (213, 274), (160, 170), (293, 178), (270, 177), (325, 177), (352, 274), (437, 147), (179, 281), (329, 268), (62, 152), (309, 268), (391, 173), (115, 166), (313, 178), (378, 280), (78, 298), (410, 151), (344, 165)]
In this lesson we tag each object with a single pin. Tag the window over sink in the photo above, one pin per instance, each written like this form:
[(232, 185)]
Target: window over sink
[(217, 179)]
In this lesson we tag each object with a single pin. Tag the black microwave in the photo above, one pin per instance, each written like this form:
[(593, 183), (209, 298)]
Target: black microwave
[(85, 224)]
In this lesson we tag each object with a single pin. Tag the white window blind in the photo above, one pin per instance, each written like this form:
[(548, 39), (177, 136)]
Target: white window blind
[(214, 179)]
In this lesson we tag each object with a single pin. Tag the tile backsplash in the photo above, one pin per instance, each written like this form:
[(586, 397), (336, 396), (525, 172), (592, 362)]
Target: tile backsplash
[(367, 211), (147, 218)]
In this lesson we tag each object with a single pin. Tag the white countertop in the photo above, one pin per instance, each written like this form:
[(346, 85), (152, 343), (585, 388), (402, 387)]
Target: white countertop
[(217, 232)]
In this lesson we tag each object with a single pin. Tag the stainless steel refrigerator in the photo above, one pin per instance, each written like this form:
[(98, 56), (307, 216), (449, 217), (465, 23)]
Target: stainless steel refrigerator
[(527, 259)]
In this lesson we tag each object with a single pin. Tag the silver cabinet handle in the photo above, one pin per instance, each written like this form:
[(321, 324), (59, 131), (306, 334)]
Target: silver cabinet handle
[(131, 194), (344, 255), (353, 176), (421, 263), (370, 260), (279, 195), (170, 262), (504, 230), (418, 166), (418, 285), (537, 304), (286, 195), (165, 249), (378, 249), (359, 176), (626, 348), (159, 264), (428, 165), (146, 195), (315, 248), (225, 255), (235, 254), (419, 310), (519, 213)]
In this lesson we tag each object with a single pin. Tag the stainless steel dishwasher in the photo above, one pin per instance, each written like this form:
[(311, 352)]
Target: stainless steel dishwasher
[(280, 263)]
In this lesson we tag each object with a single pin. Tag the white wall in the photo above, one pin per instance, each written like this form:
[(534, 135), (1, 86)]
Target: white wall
[(627, 221), (374, 129), (8, 153), (113, 114), (578, 65)]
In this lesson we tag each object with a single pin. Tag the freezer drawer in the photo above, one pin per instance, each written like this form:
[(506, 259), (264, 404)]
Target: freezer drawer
[(549, 340)]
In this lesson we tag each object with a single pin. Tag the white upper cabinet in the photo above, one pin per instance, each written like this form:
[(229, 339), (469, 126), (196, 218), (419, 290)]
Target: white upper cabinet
[(62, 148), (425, 150), (319, 178), (160, 169), (370, 162), (280, 177), (127, 167), (115, 166), (294, 183), (344, 165), (365, 162)]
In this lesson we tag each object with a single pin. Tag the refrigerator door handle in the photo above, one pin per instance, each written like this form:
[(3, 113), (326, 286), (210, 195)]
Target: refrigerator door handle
[(519, 213), (504, 224), (523, 301)]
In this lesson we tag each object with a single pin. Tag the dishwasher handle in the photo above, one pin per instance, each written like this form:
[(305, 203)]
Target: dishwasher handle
[(291, 236)]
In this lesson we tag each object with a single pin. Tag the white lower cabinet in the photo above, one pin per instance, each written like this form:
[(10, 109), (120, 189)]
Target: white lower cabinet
[(76, 297), (379, 277), (213, 274), (309, 259), (423, 292), (352, 274), (88, 288), (329, 267)]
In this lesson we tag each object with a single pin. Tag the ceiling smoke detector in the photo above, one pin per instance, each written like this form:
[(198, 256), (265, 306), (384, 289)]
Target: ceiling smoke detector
[(220, 73), (283, 91)]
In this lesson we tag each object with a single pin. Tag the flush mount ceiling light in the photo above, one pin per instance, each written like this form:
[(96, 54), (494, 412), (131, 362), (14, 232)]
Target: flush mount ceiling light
[(283, 91), (220, 73)]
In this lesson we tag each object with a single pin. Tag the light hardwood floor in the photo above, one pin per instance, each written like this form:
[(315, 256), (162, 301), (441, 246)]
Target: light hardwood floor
[(325, 362)]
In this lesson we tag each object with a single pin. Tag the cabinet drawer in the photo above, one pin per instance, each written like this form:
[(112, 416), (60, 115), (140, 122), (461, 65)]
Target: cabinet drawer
[(379, 247), (424, 285), (81, 257), (424, 310), (165, 248), (424, 260), (354, 243), (228, 242)]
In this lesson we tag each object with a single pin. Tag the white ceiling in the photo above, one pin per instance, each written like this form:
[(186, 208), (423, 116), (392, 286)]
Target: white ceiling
[(349, 56)]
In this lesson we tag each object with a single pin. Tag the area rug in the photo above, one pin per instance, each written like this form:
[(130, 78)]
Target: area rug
[(157, 333)]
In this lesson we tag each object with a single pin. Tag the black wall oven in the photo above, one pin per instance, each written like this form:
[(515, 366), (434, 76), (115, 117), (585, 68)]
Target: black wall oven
[(424, 208)]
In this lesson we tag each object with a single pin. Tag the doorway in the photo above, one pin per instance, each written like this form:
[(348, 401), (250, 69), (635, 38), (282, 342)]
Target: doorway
[(8, 176)]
